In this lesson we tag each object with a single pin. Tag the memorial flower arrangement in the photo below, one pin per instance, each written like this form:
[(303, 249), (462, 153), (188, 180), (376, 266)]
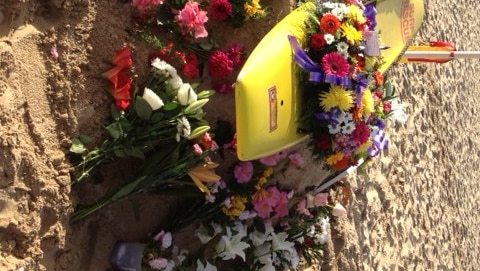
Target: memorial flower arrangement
[(346, 97), (248, 219), (159, 122)]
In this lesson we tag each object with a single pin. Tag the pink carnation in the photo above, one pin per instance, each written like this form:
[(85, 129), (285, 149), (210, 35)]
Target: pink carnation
[(296, 159), (220, 66), (220, 9), (243, 172), (271, 160), (143, 5), (191, 20)]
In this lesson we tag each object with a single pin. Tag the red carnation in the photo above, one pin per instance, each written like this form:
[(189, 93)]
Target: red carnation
[(192, 58), (236, 52), (220, 9), (219, 65), (361, 133), (317, 41), (190, 71)]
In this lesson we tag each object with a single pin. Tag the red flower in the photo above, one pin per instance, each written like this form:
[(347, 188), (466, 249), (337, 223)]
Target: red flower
[(323, 141), (223, 87), (219, 65), (220, 9), (378, 78), (387, 107), (329, 23), (122, 94), (123, 58), (112, 75), (190, 71), (192, 58), (361, 133), (342, 164), (334, 63), (317, 41), (236, 53)]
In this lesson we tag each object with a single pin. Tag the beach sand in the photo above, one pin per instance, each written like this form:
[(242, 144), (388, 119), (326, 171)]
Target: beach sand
[(414, 208)]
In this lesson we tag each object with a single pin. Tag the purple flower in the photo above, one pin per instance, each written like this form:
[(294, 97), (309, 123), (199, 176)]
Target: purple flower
[(243, 172)]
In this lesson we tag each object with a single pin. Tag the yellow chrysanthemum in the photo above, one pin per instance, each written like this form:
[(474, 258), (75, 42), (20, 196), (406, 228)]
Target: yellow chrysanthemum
[(352, 35), (364, 147), (334, 158), (355, 13), (337, 96), (367, 103), (253, 9), (236, 208)]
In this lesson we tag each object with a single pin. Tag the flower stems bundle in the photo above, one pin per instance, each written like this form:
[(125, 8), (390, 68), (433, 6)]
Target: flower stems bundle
[(163, 125)]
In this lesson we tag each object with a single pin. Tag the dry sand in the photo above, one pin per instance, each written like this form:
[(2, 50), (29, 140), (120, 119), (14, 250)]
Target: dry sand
[(415, 208)]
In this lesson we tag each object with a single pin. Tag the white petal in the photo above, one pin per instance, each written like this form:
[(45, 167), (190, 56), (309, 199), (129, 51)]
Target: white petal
[(152, 99)]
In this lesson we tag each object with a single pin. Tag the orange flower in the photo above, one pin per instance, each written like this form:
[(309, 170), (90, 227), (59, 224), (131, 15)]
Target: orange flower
[(378, 78), (204, 174), (329, 23)]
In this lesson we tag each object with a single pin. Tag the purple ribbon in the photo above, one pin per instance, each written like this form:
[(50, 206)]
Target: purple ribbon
[(360, 88), (331, 116), (316, 73), (370, 12), (380, 142)]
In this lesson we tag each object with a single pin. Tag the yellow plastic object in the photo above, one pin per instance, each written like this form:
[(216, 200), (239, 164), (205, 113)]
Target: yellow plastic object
[(266, 92), (266, 95), (398, 22)]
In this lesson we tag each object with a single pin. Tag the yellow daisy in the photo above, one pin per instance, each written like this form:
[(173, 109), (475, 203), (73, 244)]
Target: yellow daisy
[(253, 9), (352, 35), (337, 96), (334, 158)]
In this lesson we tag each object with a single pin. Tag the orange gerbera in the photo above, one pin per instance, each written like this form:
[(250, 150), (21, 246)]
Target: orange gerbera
[(329, 23)]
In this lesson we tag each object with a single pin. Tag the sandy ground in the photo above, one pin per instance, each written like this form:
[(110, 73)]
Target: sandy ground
[(416, 208)]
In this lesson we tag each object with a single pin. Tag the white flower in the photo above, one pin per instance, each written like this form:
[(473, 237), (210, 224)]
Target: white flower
[(322, 238), (397, 111), (267, 267), (183, 128), (329, 38), (152, 99), (258, 237), (279, 242), (186, 95), (207, 267), (348, 128), (339, 11), (342, 47), (338, 210), (230, 246), (175, 82), (263, 254), (294, 259), (163, 68), (246, 214), (334, 128)]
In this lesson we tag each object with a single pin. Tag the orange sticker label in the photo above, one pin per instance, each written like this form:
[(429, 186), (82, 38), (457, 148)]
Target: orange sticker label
[(272, 103), (408, 20)]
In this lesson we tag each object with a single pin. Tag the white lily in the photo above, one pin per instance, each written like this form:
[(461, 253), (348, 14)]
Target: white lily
[(207, 267), (397, 111), (186, 95), (231, 246), (152, 99), (279, 242)]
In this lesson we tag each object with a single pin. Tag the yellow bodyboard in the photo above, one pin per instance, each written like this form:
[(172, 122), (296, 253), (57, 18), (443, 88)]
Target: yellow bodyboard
[(266, 92)]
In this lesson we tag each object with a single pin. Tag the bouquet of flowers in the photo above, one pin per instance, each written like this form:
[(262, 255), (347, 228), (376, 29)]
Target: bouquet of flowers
[(346, 98), (162, 124), (251, 220)]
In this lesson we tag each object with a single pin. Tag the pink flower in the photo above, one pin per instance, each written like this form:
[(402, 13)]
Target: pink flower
[(296, 159), (158, 263), (220, 9), (334, 63), (361, 133), (320, 199), (220, 66), (271, 160), (143, 5), (191, 20), (197, 150), (338, 210), (302, 208), (270, 203), (243, 172)]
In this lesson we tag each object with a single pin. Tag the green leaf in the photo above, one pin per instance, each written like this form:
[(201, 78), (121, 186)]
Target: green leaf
[(77, 146), (115, 113), (388, 89), (199, 131), (157, 116), (85, 139), (195, 106), (194, 85), (142, 108), (114, 130), (170, 106), (134, 152), (205, 94), (119, 153)]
